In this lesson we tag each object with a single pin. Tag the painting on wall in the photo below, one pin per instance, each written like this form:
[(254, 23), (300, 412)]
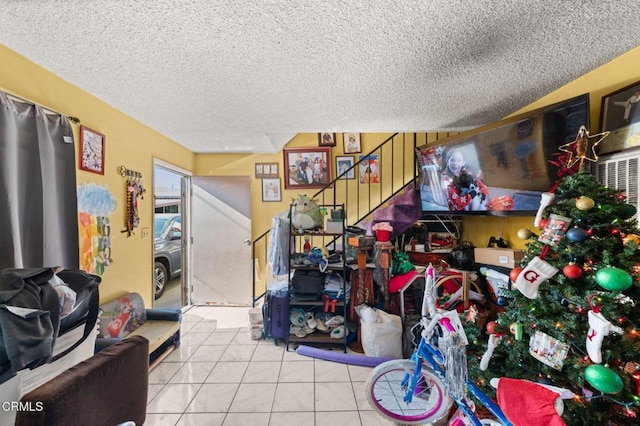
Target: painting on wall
[(369, 169), (271, 190), (344, 164), (95, 205), (307, 167), (92, 145), (620, 115)]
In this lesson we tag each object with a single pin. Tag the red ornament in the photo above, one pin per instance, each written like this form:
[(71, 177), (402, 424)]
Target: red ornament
[(572, 271), (513, 274), (495, 328), (543, 223)]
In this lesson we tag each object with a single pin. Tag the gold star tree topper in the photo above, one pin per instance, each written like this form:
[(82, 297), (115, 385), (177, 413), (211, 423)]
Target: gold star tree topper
[(579, 153)]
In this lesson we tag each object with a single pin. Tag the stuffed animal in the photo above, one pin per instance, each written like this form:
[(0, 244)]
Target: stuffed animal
[(305, 213)]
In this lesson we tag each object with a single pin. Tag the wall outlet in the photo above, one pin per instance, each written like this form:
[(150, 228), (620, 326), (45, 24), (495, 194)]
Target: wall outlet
[(144, 232)]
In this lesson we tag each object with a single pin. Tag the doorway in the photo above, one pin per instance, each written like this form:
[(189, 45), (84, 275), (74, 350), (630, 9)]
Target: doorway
[(221, 216), (170, 233)]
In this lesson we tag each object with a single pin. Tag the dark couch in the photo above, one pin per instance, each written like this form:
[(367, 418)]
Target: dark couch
[(105, 390)]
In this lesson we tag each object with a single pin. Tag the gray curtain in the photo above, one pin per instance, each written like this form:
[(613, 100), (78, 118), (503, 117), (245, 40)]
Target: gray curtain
[(38, 207)]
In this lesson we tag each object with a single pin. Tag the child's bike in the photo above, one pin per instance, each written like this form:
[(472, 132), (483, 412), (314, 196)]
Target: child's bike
[(422, 389)]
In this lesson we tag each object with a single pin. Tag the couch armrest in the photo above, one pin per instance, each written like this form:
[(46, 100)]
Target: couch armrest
[(164, 314), (103, 342)]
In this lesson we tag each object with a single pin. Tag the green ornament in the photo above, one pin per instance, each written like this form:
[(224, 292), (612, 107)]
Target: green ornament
[(626, 211), (613, 279), (603, 379)]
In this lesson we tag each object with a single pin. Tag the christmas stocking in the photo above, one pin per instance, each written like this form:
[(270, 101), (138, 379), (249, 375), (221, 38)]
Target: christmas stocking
[(493, 342), (599, 328), (533, 275), (546, 199)]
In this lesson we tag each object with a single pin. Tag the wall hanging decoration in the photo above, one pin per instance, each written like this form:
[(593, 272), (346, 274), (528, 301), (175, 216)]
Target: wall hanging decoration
[(307, 167), (134, 190), (266, 170), (95, 205), (92, 145), (344, 164), (351, 142), (369, 169), (620, 114), (271, 190), (326, 139)]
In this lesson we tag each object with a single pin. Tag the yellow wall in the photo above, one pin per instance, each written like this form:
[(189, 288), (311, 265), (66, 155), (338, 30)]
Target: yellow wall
[(128, 143), (134, 145)]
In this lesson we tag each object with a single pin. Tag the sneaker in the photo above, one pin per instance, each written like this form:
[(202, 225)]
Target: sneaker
[(335, 321), (303, 331), (296, 316), (294, 329), (339, 332), (322, 327), (311, 321)]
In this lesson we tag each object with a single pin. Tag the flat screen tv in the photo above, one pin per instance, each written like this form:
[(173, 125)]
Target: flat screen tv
[(502, 168)]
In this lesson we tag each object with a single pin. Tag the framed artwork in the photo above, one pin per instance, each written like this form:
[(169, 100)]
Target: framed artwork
[(345, 164), (266, 170), (369, 169), (351, 143), (92, 146), (307, 167), (326, 139), (271, 190), (620, 115)]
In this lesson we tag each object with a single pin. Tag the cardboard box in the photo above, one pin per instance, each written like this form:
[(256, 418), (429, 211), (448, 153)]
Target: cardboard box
[(507, 258)]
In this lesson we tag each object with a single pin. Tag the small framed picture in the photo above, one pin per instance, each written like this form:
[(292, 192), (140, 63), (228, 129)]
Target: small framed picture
[(351, 143), (271, 190), (92, 145), (266, 170), (344, 167), (369, 169), (620, 115), (326, 139)]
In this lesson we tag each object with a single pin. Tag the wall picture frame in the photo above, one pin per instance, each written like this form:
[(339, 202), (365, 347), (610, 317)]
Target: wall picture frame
[(271, 190), (351, 142), (326, 139), (91, 152), (266, 170), (307, 167), (620, 115), (344, 167), (369, 169)]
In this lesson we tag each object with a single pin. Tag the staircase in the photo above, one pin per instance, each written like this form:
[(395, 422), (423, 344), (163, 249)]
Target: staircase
[(388, 194)]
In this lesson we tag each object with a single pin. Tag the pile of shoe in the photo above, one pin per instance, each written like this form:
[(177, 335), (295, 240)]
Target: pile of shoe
[(331, 324), (302, 323)]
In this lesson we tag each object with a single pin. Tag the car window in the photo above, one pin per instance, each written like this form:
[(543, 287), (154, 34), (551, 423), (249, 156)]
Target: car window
[(159, 224)]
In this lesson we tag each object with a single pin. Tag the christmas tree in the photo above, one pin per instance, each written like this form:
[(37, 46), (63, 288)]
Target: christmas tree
[(571, 320)]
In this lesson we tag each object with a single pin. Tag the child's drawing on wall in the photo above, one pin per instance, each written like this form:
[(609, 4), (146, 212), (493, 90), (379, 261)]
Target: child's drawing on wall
[(95, 205)]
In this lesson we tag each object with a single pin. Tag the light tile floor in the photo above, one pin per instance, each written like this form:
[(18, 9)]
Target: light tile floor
[(219, 376)]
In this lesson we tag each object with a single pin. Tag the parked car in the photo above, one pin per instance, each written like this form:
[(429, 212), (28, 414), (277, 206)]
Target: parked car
[(167, 250)]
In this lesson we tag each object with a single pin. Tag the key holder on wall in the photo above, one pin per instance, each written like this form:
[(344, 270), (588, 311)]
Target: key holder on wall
[(134, 190)]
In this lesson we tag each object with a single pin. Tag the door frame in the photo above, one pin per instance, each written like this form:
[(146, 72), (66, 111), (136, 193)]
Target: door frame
[(185, 209)]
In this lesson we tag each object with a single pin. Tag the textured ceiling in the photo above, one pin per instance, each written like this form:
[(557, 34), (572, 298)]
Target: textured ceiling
[(246, 76)]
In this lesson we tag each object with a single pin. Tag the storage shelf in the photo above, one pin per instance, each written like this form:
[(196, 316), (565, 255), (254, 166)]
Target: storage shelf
[(313, 303), (316, 337), (318, 237)]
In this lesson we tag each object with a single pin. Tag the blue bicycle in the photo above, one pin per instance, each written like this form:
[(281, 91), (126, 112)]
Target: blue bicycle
[(423, 389)]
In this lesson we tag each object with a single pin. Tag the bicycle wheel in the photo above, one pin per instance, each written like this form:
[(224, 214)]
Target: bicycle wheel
[(386, 393)]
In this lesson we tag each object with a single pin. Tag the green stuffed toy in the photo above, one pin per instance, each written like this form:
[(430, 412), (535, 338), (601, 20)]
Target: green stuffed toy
[(305, 213)]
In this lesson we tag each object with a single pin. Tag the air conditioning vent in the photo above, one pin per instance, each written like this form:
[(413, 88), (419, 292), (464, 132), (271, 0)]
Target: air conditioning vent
[(621, 171)]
